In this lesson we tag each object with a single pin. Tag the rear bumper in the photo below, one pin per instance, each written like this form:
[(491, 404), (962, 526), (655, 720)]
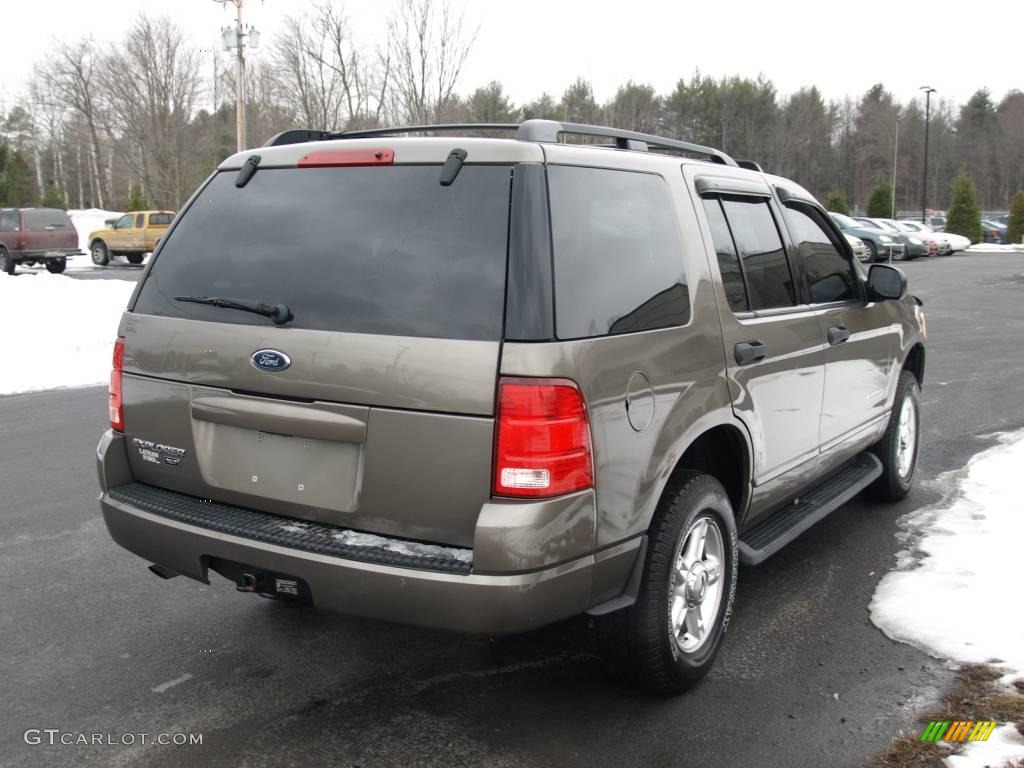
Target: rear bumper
[(469, 601), (45, 255)]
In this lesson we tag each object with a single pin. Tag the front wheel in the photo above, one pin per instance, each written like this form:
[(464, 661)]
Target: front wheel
[(100, 253), (669, 638), (872, 252), (56, 266), (136, 258), (897, 450)]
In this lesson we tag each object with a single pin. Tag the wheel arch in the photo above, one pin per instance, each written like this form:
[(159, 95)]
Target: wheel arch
[(914, 360)]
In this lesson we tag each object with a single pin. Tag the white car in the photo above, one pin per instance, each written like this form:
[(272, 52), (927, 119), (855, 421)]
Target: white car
[(860, 251), (956, 242)]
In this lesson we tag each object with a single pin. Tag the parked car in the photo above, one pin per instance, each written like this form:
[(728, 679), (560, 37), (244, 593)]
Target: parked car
[(133, 235), (993, 232), (860, 250), (913, 247), (378, 377), (954, 241), (939, 240), (881, 245), (36, 236)]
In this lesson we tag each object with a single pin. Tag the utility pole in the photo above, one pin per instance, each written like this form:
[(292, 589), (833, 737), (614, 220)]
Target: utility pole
[(236, 40), (895, 157), (928, 91)]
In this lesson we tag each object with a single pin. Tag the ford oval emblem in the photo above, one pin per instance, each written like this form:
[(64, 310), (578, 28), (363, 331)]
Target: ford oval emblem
[(270, 360)]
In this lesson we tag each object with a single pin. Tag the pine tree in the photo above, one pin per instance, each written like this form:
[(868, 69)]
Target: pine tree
[(880, 202), (964, 215), (835, 201), (1015, 227), (136, 199), (53, 198)]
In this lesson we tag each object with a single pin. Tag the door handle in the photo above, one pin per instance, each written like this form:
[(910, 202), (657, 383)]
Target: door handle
[(750, 352), (837, 334)]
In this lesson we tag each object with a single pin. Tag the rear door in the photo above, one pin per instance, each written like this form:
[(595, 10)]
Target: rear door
[(773, 350), (373, 407), (137, 234)]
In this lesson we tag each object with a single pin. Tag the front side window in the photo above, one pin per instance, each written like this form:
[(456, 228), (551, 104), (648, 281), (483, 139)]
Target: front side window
[(124, 222), (618, 262), (829, 273), (769, 279)]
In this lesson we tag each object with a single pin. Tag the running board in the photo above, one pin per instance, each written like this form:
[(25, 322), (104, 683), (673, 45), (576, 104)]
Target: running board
[(770, 534)]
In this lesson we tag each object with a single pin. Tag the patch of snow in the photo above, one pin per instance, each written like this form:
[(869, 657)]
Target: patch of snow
[(88, 220), (295, 527), (1009, 248), (65, 331), (954, 594), (1004, 745), (171, 683), (414, 548)]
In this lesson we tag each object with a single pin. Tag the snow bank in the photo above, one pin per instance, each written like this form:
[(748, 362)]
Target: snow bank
[(958, 594), (65, 331), (89, 220), (1011, 248)]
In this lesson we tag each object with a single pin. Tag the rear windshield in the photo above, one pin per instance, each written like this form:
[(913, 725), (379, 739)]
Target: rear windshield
[(365, 250), (41, 218)]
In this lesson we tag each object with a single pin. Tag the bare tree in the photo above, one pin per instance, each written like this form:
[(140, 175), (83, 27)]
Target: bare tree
[(153, 84), (429, 48)]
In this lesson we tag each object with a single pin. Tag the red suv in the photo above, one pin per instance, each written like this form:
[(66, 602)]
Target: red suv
[(36, 236)]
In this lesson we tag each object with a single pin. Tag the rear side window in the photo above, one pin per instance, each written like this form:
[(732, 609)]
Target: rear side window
[(40, 218), (829, 273), (365, 250), (159, 219), (728, 260), (140, 220), (617, 258), (769, 280)]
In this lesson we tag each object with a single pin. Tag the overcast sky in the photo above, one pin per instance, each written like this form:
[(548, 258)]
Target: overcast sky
[(533, 46)]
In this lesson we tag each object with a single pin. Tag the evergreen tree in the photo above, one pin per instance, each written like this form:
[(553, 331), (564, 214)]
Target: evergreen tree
[(1015, 227), (136, 199), (53, 198), (835, 201), (880, 202), (964, 215)]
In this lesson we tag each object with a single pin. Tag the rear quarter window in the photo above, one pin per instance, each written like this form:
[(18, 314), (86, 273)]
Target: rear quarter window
[(618, 262)]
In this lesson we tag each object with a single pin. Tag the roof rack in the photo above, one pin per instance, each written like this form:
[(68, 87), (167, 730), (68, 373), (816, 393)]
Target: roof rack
[(543, 131)]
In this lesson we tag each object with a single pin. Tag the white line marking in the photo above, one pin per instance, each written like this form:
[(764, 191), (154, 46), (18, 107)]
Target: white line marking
[(171, 683)]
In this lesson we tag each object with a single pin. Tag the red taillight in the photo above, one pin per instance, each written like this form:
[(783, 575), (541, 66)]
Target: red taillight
[(327, 158), (116, 405), (543, 439)]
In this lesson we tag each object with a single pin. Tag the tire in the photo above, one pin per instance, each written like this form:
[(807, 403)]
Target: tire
[(100, 253), (136, 258), (898, 448), (7, 264), (56, 266), (872, 252), (652, 643)]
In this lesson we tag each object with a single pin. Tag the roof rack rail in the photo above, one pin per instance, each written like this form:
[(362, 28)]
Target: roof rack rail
[(750, 165), (543, 131)]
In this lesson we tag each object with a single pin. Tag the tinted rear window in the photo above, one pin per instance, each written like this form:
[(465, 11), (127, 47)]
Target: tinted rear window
[(618, 261), (365, 250), (41, 218)]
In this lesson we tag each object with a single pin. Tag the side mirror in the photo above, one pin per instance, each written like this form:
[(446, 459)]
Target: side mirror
[(886, 283)]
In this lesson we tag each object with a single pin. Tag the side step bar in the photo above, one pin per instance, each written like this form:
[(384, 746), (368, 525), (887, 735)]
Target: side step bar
[(771, 533)]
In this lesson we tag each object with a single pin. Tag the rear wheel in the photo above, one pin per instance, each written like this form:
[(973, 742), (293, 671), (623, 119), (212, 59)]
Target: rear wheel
[(668, 639), (136, 258), (100, 253), (7, 264), (897, 450), (56, 266)]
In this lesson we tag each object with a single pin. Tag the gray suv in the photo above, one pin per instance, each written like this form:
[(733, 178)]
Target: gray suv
[(486, 384)]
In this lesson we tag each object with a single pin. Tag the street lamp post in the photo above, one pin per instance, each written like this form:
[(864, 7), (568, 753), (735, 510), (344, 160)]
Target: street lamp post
[(928, 91), (895, 159)]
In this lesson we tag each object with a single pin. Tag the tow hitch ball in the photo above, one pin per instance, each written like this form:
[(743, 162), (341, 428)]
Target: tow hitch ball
[(258, 583)]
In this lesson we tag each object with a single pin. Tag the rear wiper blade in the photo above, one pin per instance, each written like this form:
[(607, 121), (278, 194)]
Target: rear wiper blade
[(279, 313)]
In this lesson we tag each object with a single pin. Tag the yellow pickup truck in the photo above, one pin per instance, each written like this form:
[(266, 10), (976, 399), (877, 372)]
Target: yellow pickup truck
[(133, 235)]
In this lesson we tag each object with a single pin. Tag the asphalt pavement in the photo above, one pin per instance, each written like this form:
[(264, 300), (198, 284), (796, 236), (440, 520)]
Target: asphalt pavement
[(92, 643)]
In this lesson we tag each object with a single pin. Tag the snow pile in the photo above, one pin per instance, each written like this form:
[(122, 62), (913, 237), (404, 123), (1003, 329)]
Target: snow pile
[(1010, 248), (65, 330), (958, 594), (89, 220), (1005, 744)]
